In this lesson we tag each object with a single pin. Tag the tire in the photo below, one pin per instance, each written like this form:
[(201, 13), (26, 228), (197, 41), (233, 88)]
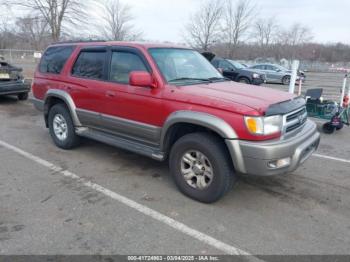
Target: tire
[(244, 80), (217, 157), (59, 113), (328, 128), (286, 80), (22, 96), (340, 127)]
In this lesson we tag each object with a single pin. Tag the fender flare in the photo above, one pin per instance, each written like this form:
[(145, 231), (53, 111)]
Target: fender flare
[(211, 122), (68, 101)]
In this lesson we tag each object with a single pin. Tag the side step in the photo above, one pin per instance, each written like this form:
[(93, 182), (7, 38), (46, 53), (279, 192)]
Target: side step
[(122, 143)]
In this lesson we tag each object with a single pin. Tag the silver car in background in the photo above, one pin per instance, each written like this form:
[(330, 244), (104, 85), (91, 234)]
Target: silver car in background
[(277, 74)]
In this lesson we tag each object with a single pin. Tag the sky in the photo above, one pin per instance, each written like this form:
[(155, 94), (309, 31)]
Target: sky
[(164, 20)]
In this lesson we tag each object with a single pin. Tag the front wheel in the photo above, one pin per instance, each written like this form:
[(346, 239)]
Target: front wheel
[(244, 80), (201, 167), (62, 128)]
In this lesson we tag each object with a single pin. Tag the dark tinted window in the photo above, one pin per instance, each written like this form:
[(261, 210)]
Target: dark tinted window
[(122, 64), (215, 63), (90, 64), (55, 58), (225, 65)]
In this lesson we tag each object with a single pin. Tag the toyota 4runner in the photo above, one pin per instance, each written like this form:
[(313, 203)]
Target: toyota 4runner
[(169, 102)]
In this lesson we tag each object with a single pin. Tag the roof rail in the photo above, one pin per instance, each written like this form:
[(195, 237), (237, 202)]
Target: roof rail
[(78, 41)]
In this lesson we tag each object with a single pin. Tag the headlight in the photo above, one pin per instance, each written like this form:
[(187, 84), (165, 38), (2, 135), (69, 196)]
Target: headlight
[(264, 125), (255, 75)]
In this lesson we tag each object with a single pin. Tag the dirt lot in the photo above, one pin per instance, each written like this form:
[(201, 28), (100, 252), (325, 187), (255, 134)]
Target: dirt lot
[(99, 199)]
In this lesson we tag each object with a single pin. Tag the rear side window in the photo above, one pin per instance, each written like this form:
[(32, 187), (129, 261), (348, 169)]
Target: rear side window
[(122, 64), (90, 64), (55, 58)]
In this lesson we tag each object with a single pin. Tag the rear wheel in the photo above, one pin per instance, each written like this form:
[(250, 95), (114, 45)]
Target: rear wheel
[(286, 80), (201, 167), (61, 127), (22, 96)]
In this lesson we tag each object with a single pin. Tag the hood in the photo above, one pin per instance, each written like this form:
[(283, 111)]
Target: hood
[(232, 96)]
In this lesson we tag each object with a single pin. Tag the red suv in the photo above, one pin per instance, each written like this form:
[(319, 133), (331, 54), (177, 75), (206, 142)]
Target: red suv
[(169, 102)]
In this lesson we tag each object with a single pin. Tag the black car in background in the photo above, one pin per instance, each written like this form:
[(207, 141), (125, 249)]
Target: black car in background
[(238, 72), (12, 81)]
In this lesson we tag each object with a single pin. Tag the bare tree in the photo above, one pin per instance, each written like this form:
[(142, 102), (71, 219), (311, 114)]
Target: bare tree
[(118, 21), (295, 35), (265, 31), (203, 30), (7, 36), (33, 30), (238, 19), (290, 39), (54, 12)]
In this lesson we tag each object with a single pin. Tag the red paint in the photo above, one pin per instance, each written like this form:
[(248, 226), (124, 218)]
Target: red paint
[(141, 78), (229, 101)]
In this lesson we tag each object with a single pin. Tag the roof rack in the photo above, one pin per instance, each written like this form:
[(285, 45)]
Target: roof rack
[(79, 41)]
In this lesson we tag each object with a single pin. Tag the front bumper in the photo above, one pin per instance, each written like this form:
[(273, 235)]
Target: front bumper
[(14, 87), (253, 157)]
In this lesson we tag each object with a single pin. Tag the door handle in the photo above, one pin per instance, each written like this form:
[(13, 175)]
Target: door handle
[(110, 94)]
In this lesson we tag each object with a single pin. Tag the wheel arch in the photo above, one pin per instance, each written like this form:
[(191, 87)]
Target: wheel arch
[(194, 119), (54, 96)]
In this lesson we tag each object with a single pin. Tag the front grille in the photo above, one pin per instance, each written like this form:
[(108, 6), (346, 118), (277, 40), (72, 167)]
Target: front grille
[(295, 126), (295, 115), (295, 120)]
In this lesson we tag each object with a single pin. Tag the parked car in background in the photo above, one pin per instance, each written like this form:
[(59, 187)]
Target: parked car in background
[(238, 72), (12, 81), (277, 74), (169, 103)]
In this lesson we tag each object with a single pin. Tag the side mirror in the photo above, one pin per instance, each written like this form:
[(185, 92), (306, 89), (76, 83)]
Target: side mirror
[(141, 78)]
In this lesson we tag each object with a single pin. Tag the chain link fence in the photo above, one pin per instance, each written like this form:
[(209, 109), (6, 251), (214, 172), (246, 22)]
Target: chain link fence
[(26, 59)]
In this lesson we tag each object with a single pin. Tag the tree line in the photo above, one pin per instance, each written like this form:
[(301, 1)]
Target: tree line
[(47, 21), (230, 28)]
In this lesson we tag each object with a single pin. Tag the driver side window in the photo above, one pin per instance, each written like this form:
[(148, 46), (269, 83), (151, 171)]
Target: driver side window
[(122, 64), (225, 65)]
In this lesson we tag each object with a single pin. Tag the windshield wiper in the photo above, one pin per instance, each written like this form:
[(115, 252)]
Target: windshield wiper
[(190, 78), (219, 78)]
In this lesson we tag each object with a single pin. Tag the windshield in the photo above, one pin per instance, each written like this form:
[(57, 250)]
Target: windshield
[(184, 65), (236, 64)]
